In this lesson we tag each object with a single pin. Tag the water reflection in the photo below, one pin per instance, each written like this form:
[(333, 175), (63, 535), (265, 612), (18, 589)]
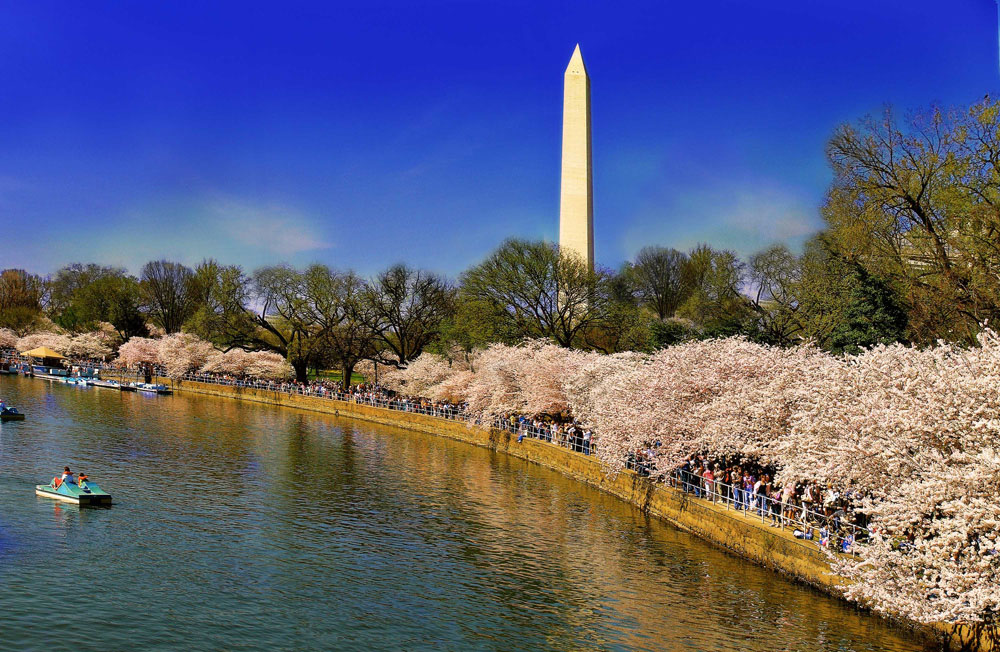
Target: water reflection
[(242, 526)]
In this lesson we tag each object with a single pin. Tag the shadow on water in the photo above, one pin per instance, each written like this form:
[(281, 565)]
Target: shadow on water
[(241, 526)]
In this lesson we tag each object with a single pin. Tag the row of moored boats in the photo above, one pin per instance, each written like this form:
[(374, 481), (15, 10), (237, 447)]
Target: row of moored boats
[(85, 378)]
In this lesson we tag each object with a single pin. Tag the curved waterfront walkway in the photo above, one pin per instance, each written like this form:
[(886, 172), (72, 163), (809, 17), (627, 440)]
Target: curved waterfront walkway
[(735, 530), (759, 516)]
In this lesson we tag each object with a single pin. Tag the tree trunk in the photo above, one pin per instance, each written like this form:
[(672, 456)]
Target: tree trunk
[(347, 369), (301, 368)]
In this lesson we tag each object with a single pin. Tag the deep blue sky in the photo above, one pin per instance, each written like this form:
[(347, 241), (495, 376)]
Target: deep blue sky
[(359, 134)]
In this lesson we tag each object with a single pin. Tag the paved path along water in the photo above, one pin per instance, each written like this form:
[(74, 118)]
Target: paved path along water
[(243, 527)]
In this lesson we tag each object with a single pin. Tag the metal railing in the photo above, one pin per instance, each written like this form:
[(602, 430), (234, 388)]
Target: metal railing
[(832, 531), (577, 440)]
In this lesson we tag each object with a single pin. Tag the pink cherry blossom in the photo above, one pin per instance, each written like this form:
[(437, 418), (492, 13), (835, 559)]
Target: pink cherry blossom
[(139, 350), (181, 353), (55, 341), (8, 339)]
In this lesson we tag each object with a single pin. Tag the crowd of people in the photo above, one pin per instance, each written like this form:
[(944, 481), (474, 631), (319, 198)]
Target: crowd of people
[(814, 511), (567, 434)]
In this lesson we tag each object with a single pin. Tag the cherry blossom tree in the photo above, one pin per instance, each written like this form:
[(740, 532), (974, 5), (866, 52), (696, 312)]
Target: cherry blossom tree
[(8, 339), (366, 368), (182, 353), (93, 345), (915, 432), (541, 370), (109, 334), (248, 364), (934, 557), (268, 365), (55, 341), (656, 402), (139, 350), (454, 388), (235, 362), (495, 392), (419, 377)]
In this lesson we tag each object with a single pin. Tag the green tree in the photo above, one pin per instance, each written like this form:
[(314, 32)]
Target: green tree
[(822, 290), (223, 315), (67, 305), (292, 315), (841, 305), (313, 317), (538, 291), (168, 293), (668, 332), (351, 337), (406, 309), (917, 204), (716, 303), (775, 279), (22, 299), (83, 295), (625, 325), (120, 305), (870, 316), (659, 277), (474, 324)]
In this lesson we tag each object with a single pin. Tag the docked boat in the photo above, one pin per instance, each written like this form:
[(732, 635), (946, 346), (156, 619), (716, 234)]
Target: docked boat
[(106, 384), (11, 414), (79, 382), (152, 388), (85, 493)]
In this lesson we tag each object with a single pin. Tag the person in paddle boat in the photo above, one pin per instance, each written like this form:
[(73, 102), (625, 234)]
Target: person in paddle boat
[(67, 477)]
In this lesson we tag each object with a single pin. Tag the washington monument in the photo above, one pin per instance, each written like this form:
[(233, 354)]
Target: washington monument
[(576, 200)]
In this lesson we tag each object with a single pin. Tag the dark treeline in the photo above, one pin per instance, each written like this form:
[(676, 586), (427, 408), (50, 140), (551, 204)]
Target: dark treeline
[(910, 252), (317, 318)]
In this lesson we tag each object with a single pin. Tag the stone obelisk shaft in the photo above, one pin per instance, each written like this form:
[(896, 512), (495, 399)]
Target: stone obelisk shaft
[(576, 201)]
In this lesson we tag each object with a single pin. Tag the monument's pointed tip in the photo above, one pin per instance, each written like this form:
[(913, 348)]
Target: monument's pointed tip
[(576, 63)]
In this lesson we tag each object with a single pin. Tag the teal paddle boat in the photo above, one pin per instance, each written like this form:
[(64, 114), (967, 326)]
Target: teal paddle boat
[(11, 414), (84, 493)]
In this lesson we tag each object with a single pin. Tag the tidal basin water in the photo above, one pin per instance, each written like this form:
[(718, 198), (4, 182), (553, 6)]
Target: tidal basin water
[(244, 527)]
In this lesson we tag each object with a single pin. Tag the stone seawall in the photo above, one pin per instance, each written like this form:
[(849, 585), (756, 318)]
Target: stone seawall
[(744, 535)]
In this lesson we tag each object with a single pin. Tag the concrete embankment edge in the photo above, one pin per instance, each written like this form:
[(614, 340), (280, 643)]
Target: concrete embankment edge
[(772, 548)]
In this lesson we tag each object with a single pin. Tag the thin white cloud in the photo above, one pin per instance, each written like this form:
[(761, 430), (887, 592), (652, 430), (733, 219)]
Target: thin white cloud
[(223, 227), (271, 227), (744, 218)]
